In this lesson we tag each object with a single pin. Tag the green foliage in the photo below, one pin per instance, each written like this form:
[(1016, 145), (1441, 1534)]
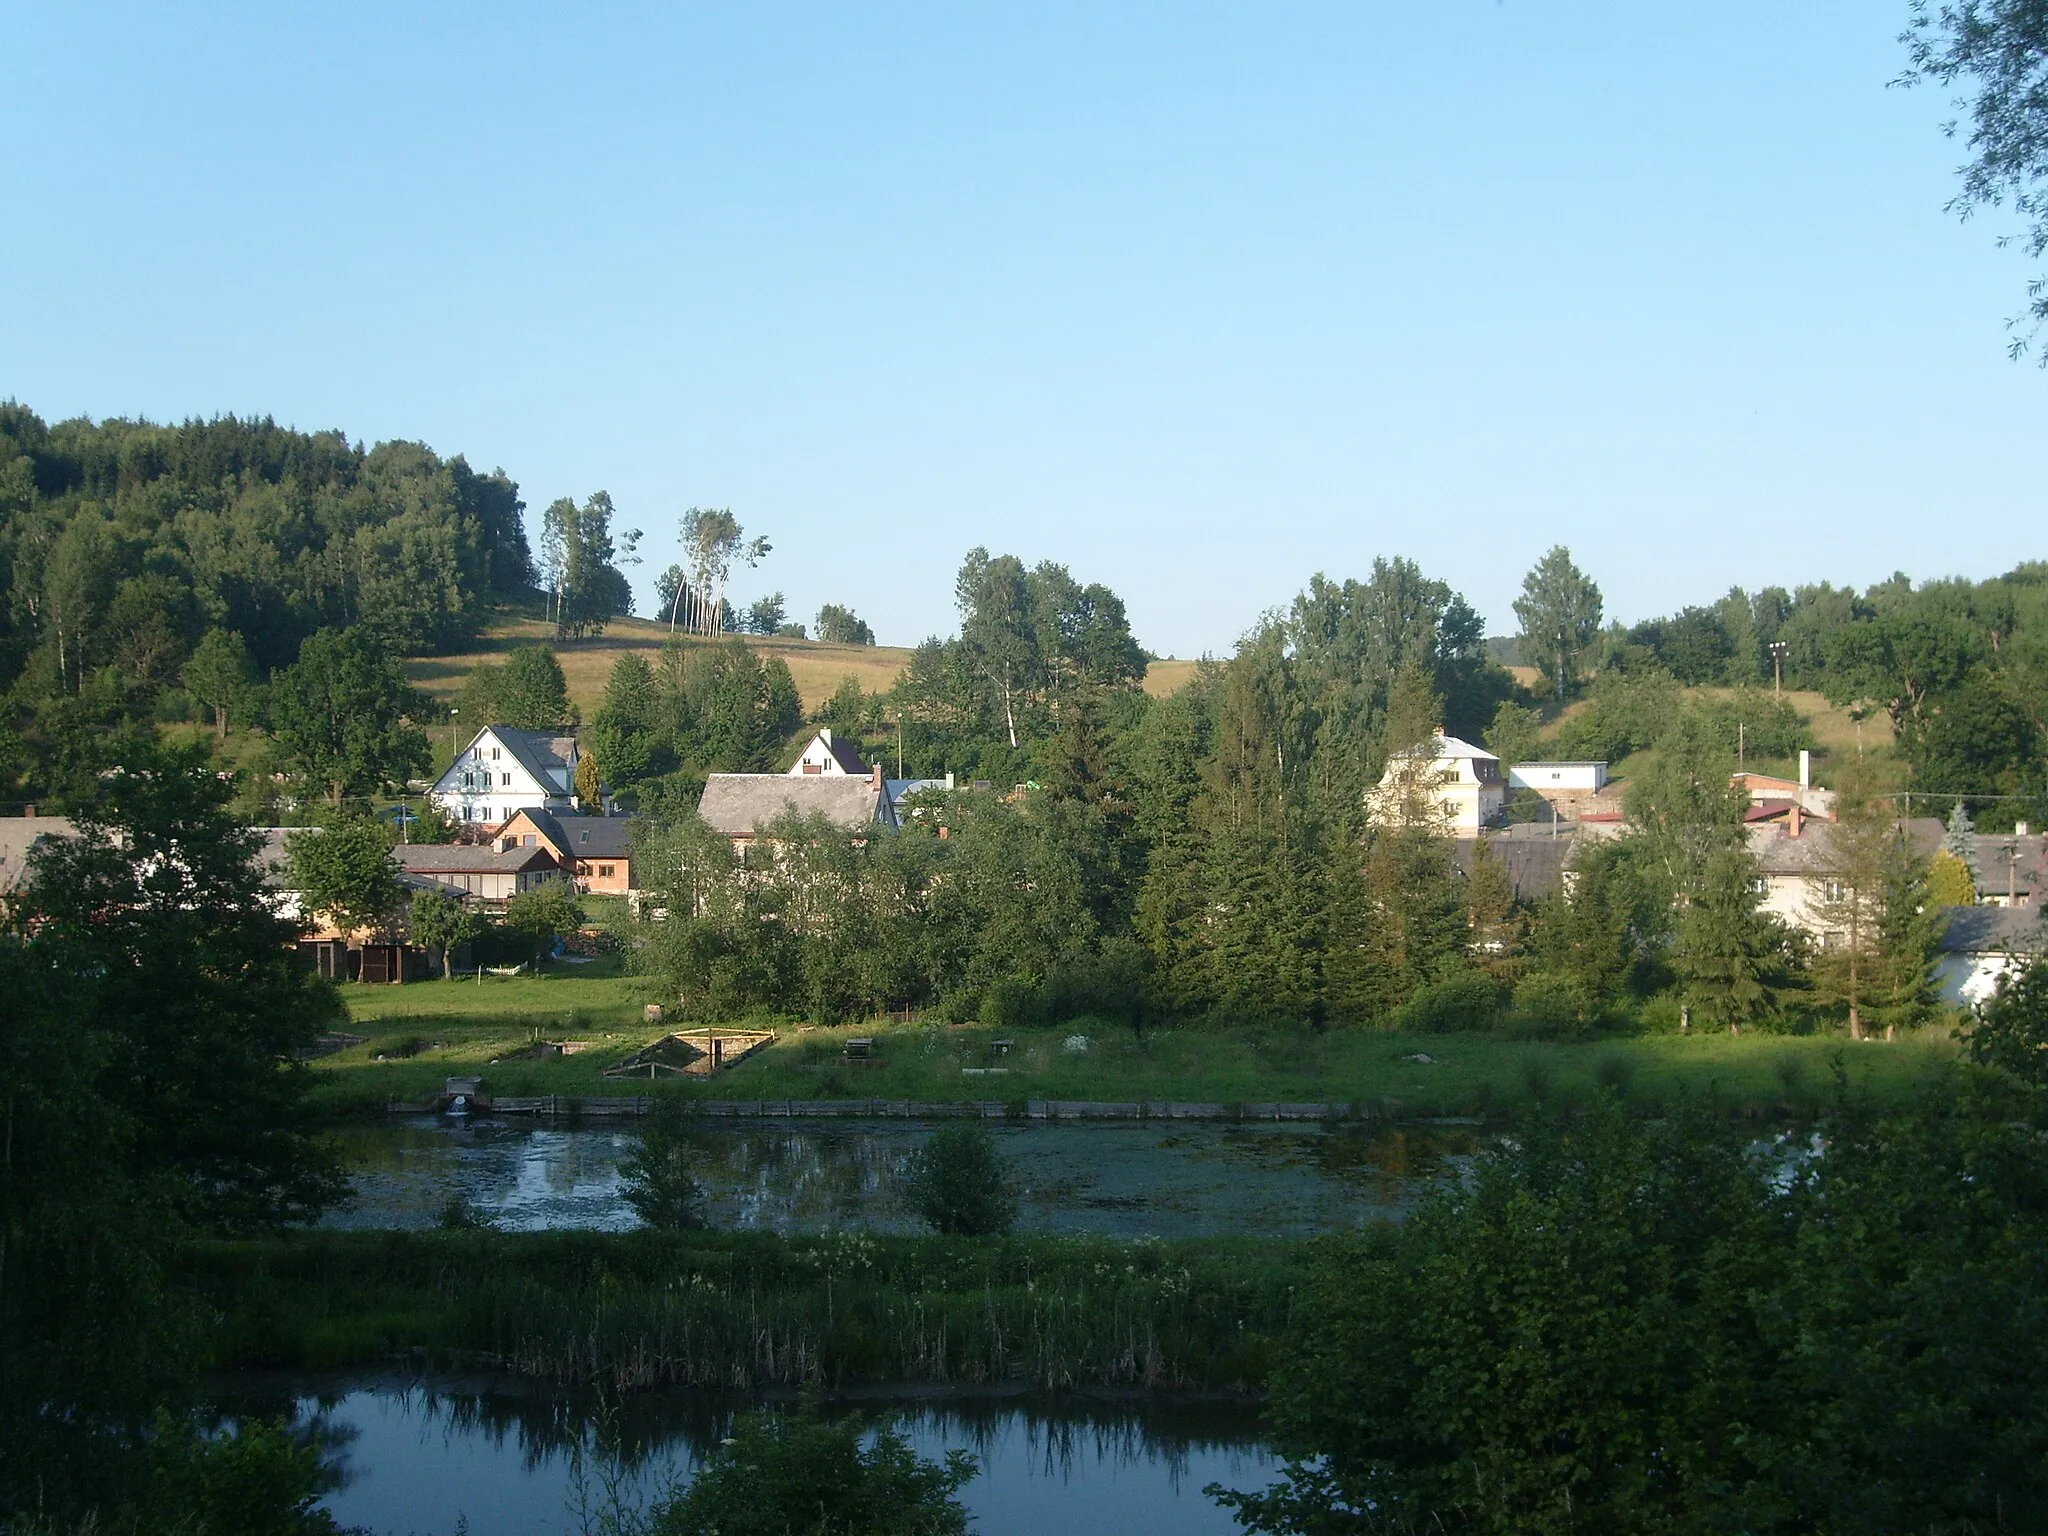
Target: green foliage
[(439, 921), (842, 626), (1559, 611), (527, 690), (586, 589), (544, 913), (340, 712), (343, 870), (780, 1473), (1620, 1326), (1462, 1001), (1552, 1007), (2010, 1032), (1729, 956), (221, 674), (959, 1184), (260, 1480), (661, 1187)]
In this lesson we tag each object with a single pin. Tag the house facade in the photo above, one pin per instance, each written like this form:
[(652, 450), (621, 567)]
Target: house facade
[(1462, 786), (595, 851), (504, 771), (1799, 874)]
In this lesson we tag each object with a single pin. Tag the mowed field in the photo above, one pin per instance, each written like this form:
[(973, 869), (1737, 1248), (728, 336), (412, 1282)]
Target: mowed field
[(818, 668)]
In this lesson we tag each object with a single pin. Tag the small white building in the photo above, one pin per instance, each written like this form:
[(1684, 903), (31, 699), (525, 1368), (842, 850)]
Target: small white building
[(1462, 783), (1982, 945), (504, 771), (1559, 778), (833, 756)]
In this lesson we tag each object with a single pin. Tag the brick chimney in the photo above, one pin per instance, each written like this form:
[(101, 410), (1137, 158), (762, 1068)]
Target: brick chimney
[(876, 776), (1792, 821)]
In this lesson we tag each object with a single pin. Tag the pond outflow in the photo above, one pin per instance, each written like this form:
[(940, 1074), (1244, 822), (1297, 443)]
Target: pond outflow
[(796, 1176), (434, 1458)]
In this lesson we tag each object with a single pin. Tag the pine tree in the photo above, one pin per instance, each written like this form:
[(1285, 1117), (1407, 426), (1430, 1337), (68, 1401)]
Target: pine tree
[(1960, 841), (1490, 912), (1908, 942), (1726, 956)]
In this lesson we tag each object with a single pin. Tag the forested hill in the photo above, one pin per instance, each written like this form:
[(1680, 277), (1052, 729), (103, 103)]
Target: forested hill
[(122, 543)]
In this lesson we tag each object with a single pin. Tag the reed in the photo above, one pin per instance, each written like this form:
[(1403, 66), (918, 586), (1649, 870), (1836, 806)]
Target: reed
[(744, 1312)]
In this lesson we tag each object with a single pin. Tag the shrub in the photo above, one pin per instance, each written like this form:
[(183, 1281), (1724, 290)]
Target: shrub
[(960, 1184), (797, 1474), (1550, 1007), (1465, 1001)]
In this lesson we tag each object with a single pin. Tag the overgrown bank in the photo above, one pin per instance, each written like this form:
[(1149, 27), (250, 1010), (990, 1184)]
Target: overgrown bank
[(746, 1311)]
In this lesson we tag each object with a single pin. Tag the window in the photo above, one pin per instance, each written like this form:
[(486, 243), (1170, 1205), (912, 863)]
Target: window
[(1759, 887), (494, 754), (604, 871), (526, 841), (1833, 890), (504, 781)]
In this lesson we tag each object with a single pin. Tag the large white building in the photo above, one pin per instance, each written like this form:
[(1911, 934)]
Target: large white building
[(1461, 786), (504, 771)]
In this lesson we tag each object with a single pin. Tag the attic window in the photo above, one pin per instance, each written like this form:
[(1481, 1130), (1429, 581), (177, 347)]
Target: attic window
[(583, 837), (494, 754)]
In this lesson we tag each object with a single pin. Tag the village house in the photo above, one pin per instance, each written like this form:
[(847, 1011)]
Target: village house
[(739, 804), (1798, 873), (1981, 945), (1462, 786), (484, 871), (595, 851), (504, 771), (1771, 797)]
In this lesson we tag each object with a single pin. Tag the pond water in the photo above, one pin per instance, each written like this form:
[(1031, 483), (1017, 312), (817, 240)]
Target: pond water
[(1165, 1180), (429, 1459)]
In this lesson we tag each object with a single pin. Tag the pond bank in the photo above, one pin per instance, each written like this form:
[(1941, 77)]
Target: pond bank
[(624, 1312)]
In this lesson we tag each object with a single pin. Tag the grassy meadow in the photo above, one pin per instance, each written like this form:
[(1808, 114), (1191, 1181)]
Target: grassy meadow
[(430, 1030)]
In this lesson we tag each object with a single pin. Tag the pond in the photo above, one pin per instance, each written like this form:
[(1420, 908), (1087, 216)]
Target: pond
[(1175, 1179), (431, 1459)]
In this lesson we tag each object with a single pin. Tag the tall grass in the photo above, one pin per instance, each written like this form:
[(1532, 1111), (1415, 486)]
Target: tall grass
[(747, 1311)]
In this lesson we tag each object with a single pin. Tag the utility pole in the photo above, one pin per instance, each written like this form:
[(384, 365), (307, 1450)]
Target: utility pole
[(1741, 743), (1778, 648)]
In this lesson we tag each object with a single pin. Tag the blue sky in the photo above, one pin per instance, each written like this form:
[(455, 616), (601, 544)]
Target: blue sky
[(1195, 299)]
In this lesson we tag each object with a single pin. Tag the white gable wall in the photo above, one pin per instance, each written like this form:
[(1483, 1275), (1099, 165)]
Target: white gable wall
[(488, 785)]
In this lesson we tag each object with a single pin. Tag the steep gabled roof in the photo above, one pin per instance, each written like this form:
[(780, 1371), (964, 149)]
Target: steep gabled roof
[(583, 837), (542, 754), (736, 803)]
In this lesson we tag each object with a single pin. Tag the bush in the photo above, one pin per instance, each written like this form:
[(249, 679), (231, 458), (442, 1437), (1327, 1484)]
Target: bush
[(960, 1184), (780, 1474), (1551, 1007), (1465, 1001)]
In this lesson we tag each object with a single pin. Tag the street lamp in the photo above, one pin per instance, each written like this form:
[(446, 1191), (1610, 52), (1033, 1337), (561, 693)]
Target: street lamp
[(1778, 648)]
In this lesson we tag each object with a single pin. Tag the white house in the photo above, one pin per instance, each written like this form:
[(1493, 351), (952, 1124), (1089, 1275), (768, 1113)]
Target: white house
[(1462, 782), (504, 771), (832, 756), (1979, 945), (1560, 778)]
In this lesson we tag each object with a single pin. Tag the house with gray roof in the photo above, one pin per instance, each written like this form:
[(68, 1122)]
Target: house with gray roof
[(1980, 945), (504, 771), (1800, 869), (596, 851), (741, 804), (830, 755), (482, 870)]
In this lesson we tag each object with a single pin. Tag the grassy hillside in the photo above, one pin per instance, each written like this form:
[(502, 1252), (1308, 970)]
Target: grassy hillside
[(818, 668), (1836, 734)]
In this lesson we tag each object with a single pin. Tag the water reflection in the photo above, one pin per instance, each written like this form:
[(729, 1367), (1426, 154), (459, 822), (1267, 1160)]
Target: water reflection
[(489, 1457), (811, 1176)]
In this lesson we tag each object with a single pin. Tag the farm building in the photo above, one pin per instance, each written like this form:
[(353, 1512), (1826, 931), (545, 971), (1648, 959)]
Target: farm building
[(485, 871), (740, 804)]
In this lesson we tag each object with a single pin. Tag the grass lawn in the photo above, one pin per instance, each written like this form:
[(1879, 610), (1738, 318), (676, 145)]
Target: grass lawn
[(433, 1029)]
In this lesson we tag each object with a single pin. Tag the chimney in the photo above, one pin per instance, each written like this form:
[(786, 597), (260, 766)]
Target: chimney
[(876, 777), (1805, 770), (1793, 819), (949, 781), (29, 811)]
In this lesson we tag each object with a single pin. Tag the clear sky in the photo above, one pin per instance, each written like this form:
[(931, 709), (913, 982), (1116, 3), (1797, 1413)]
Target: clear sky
[(1195, 299)]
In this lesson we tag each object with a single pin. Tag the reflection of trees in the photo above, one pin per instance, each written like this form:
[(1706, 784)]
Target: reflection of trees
[(606, 1440)]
